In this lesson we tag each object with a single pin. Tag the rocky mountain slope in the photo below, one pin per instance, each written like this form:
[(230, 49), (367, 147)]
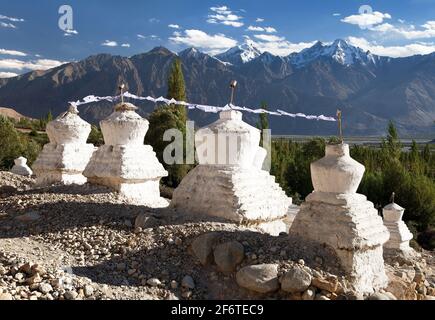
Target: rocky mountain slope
[(11, 113), (369, 89)]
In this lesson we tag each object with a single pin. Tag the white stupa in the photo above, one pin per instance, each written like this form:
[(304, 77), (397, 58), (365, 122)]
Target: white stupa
[(399, 232), (63, 160), (229, 182), (124, 163), (21, 168), (336, 216)]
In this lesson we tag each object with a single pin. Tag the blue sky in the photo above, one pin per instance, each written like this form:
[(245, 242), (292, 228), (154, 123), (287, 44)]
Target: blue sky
[(30, 37)]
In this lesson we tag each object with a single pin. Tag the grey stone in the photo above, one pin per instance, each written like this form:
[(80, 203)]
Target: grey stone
[(144, 221), (202, 247), (28, 216), (88, 290), (309, 294), (228, 255), (154, 282), (379, 296), (261, 278), (45, 288), (70, 295), (188, 282), (5, 296), (295, 280)]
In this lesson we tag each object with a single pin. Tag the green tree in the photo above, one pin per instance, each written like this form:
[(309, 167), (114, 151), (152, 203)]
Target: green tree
[(168, 117), (263, 122), (10, 145), (49, 116), (393, 145), (95, 136), (14, 144)]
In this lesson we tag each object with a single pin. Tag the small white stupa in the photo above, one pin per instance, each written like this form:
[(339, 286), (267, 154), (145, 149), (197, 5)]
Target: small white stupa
[(63, 160), (124, 163), (21, 168), (336, 216), (399, 232), (229, 181)]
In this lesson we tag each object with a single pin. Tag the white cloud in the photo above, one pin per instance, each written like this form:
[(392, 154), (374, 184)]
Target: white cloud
[(261, 29), (10, 19), (212, 44), (279, 48), (336, 14), (40, 64), (125, 45), (259, 20), (225, 16), (365, 20), (176, 33), (221, 9), (174, 26), (7, 25), (393, 51), (70, 32), (13, 52), (409, 32), (269, 37), (270, 30), (13, 19), (153, 20), (152, 37), (255, 28), (8, 74), (109, 43), (235, 24)]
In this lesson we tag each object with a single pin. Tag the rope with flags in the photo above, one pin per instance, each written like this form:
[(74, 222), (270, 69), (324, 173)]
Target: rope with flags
[(202, 107)]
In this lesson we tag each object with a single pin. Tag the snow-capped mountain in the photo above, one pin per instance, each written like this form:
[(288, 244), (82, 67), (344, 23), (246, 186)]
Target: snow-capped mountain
[(240, 54), (339, 50)]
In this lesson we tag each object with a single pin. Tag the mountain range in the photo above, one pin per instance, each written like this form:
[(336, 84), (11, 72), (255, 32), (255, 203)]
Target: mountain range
[(369, 89)]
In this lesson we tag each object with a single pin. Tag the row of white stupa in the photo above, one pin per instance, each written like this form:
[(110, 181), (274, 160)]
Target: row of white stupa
[(333, 214)]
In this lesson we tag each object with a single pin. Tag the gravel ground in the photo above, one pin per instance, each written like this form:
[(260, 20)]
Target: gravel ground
[(80, 242)]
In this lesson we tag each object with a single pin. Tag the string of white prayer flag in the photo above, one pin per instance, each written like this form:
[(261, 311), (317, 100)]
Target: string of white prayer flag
[(204, 108)]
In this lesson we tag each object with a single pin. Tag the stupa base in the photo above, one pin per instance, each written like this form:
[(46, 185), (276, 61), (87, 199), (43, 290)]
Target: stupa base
[(62, 164), (62, 178), (247, 196), (351, 226), (146, 193)]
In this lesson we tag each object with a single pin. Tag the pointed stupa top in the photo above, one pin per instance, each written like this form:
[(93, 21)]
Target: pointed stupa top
[(124, 126), (68, 127)]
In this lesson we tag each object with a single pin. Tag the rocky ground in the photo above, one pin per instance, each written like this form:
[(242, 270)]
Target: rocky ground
[(83, 242)]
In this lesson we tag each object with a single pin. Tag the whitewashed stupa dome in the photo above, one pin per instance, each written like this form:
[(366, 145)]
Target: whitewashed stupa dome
[(124, 126), (240, 148), (68, 128), (336, 172), (393, 212)]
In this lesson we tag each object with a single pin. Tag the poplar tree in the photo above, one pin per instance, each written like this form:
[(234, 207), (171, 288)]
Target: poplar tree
[(166, 117)]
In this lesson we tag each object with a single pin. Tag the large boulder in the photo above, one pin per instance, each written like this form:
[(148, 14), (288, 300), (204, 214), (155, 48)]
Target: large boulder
[(228, 255), (202, 247), (262, 278), (295, 280)]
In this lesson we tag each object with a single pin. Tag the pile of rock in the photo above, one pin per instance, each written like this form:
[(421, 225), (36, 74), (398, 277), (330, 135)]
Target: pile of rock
[(27, 281)]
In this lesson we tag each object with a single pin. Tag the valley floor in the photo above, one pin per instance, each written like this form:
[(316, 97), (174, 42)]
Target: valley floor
[(80, 242)]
